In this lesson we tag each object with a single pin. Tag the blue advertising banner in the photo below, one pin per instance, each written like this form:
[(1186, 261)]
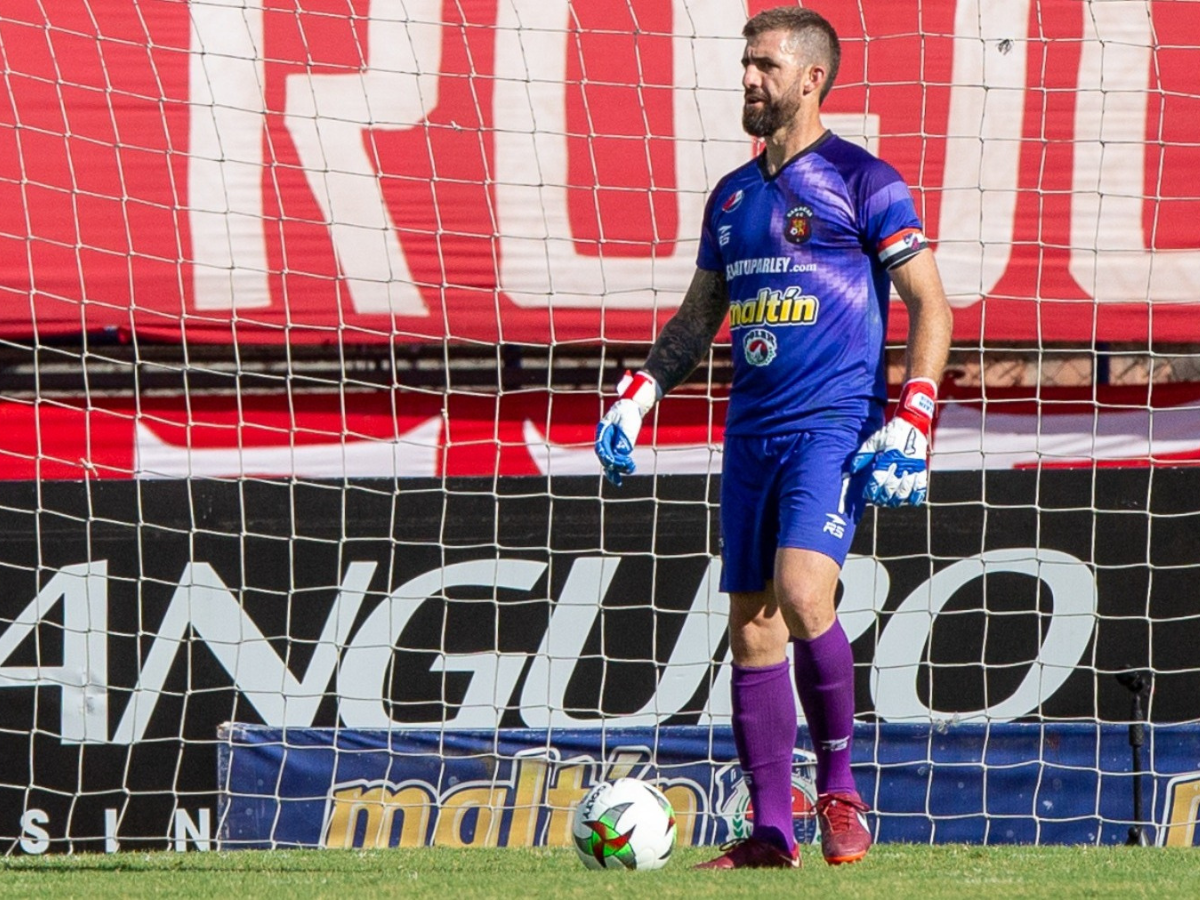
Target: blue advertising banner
[(1003, 783)]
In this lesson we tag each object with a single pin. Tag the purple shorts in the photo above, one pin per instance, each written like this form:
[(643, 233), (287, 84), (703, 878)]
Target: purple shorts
[(788, 490)]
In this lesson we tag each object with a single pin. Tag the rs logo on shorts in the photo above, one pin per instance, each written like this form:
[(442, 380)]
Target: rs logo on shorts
[(835, 526)]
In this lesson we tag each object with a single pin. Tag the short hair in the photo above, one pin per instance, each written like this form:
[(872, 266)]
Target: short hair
[(809, 27)]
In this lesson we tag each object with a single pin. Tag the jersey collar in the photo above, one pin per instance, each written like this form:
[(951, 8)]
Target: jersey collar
[(762, 157)]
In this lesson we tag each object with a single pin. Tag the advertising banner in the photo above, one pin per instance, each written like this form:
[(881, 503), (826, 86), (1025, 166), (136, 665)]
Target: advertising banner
[(1000, 784), (315, 173), (413, 434), (136, 617)]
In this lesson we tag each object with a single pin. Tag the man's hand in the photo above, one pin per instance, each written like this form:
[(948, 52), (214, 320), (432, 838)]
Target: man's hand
[(897, 455), (618, 430)]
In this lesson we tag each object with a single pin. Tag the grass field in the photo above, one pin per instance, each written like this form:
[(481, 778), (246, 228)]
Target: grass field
[(891, 872)]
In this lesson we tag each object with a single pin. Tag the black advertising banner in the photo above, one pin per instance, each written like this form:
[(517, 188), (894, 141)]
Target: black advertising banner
[(137, 617)]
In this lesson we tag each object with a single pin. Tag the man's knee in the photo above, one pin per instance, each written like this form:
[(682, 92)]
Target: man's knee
[(806, 590), (758, 634)]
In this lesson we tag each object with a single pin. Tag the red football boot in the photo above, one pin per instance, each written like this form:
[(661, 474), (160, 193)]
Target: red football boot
[(843, 822), (751, 853)]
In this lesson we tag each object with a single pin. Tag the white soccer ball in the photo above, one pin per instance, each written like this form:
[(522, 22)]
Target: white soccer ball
[(624, 824)]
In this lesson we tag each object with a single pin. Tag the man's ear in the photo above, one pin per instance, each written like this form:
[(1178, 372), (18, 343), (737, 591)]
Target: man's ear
[(814, 78)]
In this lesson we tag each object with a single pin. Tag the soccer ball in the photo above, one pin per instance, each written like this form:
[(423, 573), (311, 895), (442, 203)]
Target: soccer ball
[(624, 824)]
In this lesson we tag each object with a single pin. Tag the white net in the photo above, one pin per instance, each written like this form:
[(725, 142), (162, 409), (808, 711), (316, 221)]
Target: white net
[(309, 308)]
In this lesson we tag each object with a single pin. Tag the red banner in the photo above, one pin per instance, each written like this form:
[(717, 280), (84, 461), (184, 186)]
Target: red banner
[(409, 435), (533, 170)]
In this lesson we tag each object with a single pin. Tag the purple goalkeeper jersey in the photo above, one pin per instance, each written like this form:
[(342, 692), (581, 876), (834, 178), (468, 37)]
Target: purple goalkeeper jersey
[(805, 255)]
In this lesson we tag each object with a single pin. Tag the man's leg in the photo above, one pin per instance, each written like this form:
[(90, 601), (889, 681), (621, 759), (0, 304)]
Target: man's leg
[(824, 664), (764, 731), (764, 713)]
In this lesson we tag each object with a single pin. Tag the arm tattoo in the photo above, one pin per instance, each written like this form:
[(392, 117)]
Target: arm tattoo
[(686, 339)]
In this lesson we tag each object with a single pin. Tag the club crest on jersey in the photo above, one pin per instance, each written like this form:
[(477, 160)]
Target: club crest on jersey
[(760, 347), (798, 227), (733, 201)]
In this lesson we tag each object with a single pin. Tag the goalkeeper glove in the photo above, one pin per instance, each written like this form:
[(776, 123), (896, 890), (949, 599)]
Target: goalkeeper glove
[(897, 455), (618, 430)]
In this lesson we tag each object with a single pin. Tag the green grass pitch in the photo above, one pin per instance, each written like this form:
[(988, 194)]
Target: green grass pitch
[(890, 872)]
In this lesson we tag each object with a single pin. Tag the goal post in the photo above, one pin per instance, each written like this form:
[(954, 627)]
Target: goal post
[(310, 309)]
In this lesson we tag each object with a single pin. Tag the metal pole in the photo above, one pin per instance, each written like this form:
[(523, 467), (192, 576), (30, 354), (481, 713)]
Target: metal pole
[(1138, 683)]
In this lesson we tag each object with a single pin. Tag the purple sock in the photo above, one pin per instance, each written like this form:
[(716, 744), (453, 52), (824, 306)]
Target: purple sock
[(825, 682), (764, 731)]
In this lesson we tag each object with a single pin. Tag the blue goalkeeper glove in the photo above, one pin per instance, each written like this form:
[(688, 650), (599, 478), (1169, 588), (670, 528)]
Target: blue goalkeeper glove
[(618, 430), (897, 455)]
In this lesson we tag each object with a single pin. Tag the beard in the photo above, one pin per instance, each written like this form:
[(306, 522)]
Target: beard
[(772, 115)]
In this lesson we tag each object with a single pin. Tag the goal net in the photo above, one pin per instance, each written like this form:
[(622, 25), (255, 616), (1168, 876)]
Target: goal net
[(310, 308)]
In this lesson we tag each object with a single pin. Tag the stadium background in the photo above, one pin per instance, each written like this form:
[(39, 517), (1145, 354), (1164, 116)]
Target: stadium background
[(310, 303)]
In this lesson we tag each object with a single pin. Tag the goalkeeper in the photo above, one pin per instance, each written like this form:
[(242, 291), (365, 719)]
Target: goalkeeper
[(797, 248)]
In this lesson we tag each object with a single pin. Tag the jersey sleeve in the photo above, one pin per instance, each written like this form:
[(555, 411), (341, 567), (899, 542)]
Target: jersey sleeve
[(891, 228), (708, 257)]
